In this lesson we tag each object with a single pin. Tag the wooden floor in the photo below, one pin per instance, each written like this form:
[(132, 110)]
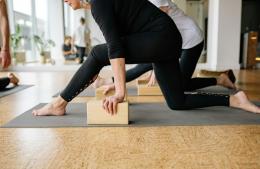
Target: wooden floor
[(122, 148)]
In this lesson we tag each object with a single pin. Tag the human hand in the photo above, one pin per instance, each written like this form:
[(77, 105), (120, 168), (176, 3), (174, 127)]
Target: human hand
[(75, 4), (110, 103), (5, 58), (152, 80)]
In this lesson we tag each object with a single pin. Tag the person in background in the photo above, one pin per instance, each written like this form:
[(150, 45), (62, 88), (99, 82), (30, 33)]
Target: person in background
[(80, 39), (5, 57), (5, 81), (68, 51)]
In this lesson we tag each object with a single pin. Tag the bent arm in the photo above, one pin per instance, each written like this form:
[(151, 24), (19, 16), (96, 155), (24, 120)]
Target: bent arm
[(104, 15), (118, 67)]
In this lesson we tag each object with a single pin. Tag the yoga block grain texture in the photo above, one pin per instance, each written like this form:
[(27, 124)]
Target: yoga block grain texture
[(96, 115), (100, 95), (144, 90)]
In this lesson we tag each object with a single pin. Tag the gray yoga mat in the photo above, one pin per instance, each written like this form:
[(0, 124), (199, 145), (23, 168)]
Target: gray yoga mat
[(216, 90), (141, 115), (90, 92), (12, 90), (132, 91)]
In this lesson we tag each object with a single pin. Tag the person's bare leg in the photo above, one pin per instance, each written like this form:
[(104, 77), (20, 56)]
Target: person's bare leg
[(56, 108), (240, 100), (13, 79), (223, 80), (102, 82)]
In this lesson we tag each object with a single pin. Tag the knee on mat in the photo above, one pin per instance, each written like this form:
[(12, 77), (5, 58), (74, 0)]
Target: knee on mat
[(177, 106)]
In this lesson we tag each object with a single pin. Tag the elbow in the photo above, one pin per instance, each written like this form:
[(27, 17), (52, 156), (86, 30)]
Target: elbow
[(114, 54)]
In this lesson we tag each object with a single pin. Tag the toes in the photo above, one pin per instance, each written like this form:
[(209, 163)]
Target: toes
[(34, 112)]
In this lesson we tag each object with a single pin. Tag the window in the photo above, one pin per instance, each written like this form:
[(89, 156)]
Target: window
[(22, 17), (32, 19), (41, 17)]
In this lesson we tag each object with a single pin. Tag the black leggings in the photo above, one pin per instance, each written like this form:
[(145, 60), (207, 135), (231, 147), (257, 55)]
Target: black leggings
[(171, 86), (188, 62), (4, 82), (81, 53)]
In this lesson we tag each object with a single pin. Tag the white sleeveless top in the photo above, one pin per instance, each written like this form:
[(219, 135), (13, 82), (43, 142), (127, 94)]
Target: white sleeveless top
[(191, 33)]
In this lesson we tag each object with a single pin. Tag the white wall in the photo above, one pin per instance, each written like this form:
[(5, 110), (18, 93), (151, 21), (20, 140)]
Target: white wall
[(56, 27), (181, 4), (224, 34)]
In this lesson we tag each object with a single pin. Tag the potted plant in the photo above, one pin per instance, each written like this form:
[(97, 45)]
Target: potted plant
[(43, 46), (18, 55)]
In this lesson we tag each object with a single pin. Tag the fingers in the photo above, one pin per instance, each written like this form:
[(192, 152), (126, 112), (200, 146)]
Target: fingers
[(115, 107), (3, 63), (110, 105), (105, 105), (34, 113), (106, 91), (7, 63), (151, 83), (5, 60)]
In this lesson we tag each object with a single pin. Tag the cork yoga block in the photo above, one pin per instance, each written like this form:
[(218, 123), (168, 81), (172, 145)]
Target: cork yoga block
[(96, 115), (144, 90), (99, 93)]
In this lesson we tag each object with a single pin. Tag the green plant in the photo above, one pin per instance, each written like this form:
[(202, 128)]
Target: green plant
[(43, 44), (16, 39)]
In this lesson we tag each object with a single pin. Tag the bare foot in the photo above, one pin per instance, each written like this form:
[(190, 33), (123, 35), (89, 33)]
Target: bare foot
[(101, 82), (13, 79), (55, 108), (240, 100), (223, 80)]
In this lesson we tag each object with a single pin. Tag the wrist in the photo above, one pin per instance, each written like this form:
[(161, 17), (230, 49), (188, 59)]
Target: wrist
[(121, 96), (120, 93)]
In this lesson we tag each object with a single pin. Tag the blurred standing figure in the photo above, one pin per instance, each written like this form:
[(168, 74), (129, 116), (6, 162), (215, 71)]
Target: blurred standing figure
[(80, 39)]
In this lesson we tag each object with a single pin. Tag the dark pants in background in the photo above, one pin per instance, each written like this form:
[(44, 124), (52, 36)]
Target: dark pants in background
[(81, 53), (4, 82)]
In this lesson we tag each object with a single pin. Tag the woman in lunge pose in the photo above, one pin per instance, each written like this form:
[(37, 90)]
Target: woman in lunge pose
[(192, 47), (136, 31)]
